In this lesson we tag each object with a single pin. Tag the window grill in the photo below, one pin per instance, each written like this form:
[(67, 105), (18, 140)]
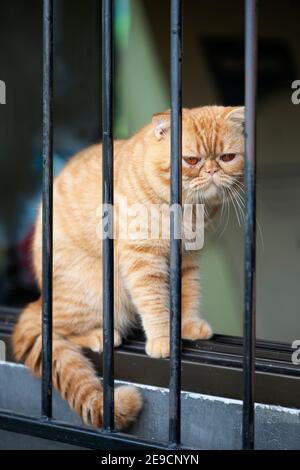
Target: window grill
[(108, 439), (250, 222), (107, 195)]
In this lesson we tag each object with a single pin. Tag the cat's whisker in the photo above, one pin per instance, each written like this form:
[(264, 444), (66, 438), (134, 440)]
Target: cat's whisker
[(241, 207), (197, 197), (233, 200), (228, 214), (222, 208), (227, 211), (222, 214), (238, 197), (239, 185), (260, 233), (204, 205), (240, 203)]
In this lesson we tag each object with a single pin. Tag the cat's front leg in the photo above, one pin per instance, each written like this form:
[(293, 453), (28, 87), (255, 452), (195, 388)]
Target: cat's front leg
[(193, 327), (147, 279), (94, 339)]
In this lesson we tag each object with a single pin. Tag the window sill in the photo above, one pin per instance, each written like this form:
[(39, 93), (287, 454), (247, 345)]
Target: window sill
[(212, 367)]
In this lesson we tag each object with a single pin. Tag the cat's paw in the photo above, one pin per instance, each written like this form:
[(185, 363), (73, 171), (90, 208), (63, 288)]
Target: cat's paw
[(128, 404), (158, 347), (198, 329), (96, 340)]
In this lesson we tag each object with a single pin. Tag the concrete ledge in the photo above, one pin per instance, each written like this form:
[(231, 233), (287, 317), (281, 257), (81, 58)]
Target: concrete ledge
[(207, 422)]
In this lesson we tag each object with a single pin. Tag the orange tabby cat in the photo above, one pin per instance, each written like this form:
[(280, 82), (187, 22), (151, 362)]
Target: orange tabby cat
[(213, 147)]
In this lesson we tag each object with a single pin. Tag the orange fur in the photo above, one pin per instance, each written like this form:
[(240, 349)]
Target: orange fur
[(142, 175)]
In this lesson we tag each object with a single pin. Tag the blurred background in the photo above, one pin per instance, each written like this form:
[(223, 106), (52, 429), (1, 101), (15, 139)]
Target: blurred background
[(213, 70)]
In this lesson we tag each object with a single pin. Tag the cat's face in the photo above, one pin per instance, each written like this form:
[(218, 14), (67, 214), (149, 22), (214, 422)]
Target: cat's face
[(212, 153)]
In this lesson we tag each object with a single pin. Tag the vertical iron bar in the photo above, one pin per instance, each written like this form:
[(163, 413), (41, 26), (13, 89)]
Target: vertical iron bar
[(250, 223), (175, 248), (107, 199), (47, 208)]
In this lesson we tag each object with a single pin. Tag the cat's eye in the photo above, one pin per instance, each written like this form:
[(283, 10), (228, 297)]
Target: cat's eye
[(227, 157), (191, 160)]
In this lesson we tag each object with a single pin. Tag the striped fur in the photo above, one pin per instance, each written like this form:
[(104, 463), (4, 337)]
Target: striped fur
[(142, 175)]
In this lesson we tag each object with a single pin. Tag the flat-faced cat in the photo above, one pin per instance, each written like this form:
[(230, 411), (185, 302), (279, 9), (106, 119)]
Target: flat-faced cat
[(212, 169)]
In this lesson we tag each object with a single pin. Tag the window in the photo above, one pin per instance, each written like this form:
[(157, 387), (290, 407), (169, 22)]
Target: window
[(213, 72)]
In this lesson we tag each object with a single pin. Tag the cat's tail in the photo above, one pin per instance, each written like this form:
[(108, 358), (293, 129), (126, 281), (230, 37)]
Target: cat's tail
[(73, 374)]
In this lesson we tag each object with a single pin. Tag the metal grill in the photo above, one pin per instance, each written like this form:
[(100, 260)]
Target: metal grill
[(106, 438)]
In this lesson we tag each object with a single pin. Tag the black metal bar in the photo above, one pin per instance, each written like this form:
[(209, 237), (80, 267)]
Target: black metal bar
[(107, 199), (175, 200), (47, 208), (82, 437), (250, 223)]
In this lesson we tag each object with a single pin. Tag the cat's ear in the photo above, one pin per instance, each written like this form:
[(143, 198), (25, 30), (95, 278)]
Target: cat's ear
[(161, 123), (237, 116)]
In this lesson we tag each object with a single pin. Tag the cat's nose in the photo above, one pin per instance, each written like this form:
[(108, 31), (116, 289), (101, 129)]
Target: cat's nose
[(212, 172)]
